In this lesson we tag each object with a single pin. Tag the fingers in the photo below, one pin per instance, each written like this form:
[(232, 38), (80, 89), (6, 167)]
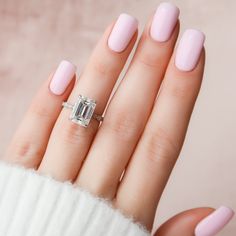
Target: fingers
[(162, 139), (184, 223), (199, 222), (30, 140), (130, 107), (215, 222), (69, 142)]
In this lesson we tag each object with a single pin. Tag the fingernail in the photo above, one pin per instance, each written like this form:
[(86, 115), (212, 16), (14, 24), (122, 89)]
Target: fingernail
[(189, 50), (122, 32), (215, 222), (62, 77), (164, 21)]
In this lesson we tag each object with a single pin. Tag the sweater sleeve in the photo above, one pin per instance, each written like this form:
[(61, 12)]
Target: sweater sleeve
[(32, 204)]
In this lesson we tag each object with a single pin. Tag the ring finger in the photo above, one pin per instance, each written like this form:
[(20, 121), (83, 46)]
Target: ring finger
[(69, 142), (131, 106)]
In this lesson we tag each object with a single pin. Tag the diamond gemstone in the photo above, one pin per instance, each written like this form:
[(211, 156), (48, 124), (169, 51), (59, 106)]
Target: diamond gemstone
[(83, 110)]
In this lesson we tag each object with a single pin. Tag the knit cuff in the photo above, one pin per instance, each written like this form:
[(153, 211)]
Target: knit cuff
[(31, 204)]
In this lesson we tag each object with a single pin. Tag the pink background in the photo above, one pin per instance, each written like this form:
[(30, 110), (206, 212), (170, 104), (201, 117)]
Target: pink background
[(36, 35)]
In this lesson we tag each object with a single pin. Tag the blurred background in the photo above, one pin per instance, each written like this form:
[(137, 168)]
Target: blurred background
[(36, 35)]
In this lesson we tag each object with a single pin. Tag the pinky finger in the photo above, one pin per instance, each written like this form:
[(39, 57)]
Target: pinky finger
[(30, 140)]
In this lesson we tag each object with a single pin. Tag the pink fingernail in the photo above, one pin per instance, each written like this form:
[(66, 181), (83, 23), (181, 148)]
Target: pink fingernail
[(62, 77), (164, 21), (122, 32), (215, 222), (189, 50)]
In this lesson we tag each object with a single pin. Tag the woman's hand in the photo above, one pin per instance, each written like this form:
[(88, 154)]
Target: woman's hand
[(145, 122)]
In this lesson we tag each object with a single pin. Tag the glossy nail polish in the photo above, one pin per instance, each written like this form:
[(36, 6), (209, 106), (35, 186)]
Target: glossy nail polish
[(122, 32), (189, 50), (164, 21), (215, 222), (62, 77)]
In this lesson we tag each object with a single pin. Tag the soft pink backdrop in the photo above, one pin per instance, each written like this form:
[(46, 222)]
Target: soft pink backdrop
[(36, 35)]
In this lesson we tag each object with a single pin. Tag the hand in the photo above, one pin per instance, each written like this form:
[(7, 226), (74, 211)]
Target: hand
[(145, 122)]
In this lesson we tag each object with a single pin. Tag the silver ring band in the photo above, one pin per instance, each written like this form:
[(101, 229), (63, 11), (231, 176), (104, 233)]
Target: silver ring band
[(83, 111), (67, 105), (97, 117)]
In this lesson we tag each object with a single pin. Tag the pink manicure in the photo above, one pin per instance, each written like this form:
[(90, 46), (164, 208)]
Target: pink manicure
[(62, 77), (122, 32), (164, 21), (215, 222), (189, 50)]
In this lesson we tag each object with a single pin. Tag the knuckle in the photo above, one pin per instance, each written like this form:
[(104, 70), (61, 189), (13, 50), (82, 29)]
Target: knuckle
[(179, 92), (39, 109), (73, 133), (27, 153), (103, 67), (160, 147), (181, 89), (123, 126), (151, 60)]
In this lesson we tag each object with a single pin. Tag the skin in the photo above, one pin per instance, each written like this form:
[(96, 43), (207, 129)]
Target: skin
[(146, 141)]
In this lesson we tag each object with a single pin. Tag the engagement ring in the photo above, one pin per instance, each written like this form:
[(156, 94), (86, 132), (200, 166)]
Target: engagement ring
[(83, 111)]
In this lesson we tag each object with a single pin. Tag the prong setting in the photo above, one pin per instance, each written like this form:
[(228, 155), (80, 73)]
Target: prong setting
[(83, 110)]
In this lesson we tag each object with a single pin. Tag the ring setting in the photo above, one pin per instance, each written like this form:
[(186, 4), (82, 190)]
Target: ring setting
[(83, 111)]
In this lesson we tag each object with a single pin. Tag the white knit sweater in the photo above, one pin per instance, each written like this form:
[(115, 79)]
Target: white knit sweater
[(35, 205)]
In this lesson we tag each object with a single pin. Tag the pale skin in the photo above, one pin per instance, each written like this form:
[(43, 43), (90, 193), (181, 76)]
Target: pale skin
[(145, 141)]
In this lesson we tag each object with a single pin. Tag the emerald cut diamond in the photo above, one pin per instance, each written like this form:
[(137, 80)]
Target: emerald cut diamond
[(83, 110)]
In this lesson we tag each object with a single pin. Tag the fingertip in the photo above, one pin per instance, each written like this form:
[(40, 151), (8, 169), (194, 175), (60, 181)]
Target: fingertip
[(214, 222), (189, 50)]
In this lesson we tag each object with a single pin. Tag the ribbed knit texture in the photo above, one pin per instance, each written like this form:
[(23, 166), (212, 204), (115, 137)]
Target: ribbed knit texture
[(35, 205)]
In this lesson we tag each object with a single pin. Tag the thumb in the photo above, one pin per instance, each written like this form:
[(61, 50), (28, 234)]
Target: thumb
[(185, 222)]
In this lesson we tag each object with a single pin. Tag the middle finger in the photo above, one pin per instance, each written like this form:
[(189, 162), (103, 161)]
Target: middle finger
[(130, 108)]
